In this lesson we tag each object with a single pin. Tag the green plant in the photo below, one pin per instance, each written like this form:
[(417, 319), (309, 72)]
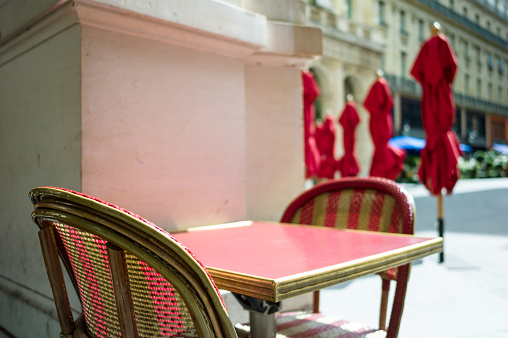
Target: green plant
[(409, 173), (484, 164)]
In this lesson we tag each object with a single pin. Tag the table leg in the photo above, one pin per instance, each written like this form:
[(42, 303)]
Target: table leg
[(261, 316), (262, 325)]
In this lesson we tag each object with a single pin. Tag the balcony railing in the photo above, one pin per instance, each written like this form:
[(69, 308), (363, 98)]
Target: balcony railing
[(403, 85), (494, 9), (480, 104), (410, 87), (325, 17), (461, 20)]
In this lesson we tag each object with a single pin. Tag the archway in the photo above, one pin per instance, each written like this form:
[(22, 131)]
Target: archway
[(318, 102), (349, 87)]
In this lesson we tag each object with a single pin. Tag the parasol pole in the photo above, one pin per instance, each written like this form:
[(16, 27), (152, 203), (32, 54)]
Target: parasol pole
[(440, 222)]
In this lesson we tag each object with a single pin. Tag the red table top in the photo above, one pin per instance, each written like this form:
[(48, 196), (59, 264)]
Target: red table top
[(284, 252)]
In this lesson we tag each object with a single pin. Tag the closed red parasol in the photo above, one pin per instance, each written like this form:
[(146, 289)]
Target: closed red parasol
[(349, 119), (310, 93), (435, 68), (325, 140), (387, 161)]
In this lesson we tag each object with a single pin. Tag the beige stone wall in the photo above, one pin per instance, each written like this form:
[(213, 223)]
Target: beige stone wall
[(40, 144), (163, 130), (187, 117)]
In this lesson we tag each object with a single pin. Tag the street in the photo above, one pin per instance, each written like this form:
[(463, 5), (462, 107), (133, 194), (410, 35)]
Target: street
[(467, 295)]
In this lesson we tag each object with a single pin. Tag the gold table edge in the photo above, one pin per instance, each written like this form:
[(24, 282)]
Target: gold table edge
[(282, 288)]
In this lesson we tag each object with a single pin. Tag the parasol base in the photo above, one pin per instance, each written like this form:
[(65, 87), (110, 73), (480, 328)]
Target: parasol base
[(440, 230)]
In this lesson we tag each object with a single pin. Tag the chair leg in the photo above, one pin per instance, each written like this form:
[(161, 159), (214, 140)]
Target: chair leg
[(385, 290), (315, 306), (122, 290), (56, 279), (403, 273)]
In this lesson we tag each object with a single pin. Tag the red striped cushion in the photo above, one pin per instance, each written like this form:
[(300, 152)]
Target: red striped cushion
[(304, 324), (361, 209), (314, 325)]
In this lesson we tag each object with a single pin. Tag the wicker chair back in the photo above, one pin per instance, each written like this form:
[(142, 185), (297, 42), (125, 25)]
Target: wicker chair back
[(133, 278), (370, 204)]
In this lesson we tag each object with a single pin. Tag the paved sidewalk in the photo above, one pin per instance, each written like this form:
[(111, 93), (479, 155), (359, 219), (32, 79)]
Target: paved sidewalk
[(467, 295), (462, 186)]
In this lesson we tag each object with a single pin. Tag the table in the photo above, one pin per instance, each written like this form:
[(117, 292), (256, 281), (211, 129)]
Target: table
[(276, 261)]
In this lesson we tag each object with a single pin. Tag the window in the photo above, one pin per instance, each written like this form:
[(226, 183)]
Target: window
[(465, 48), (477, 19), (488, 26), (490, 61), (464, 11), (349, 9), (451, 4), (477, 56), (489, 91), (478, 88), (452, 42), (466, 84), (457, 125), (411, 115), (381, 13), (475, 124), (328, 4), (403, 60), (420, 30), (500, 66), (402, 23), (497, 127)]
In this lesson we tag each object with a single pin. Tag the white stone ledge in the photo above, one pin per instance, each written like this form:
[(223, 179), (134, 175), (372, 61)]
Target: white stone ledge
[(227, 30), (200, 24), (289, 45)]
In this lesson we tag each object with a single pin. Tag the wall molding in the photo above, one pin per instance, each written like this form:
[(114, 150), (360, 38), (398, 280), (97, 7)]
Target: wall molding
[(89, 13), (50, 23), (289, 45), (123, 21)]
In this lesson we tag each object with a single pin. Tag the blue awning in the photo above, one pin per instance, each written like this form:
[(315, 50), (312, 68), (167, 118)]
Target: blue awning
[(502, 148), (407, 143), (465, 148), (415, 144)]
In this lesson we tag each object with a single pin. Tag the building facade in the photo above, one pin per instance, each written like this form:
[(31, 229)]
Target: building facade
[(478, 33), (362, 35)]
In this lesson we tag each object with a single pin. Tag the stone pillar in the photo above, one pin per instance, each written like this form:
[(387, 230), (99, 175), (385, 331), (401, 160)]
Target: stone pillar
[(274, 118), (154, 108), (163, 112)]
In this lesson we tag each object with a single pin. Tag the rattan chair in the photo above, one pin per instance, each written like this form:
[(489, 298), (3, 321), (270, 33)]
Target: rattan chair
[(133, 279), (371, 204)]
